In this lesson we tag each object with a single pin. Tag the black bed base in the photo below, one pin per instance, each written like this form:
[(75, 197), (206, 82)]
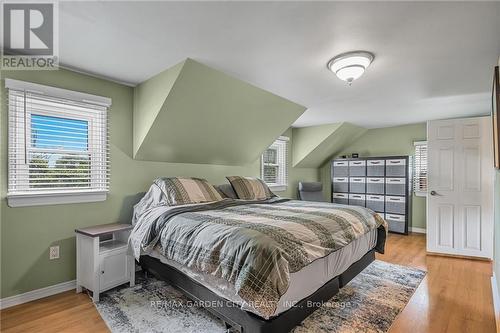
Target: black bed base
[(247, 322)]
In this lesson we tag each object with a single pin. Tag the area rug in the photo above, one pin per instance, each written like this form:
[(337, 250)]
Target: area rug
[(369, 303)]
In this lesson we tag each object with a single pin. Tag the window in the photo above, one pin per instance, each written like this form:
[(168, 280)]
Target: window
[(420, 169), (58, 146), (274, 170)]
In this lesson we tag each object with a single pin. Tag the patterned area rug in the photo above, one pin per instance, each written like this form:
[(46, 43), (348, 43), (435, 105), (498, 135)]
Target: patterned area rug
[(369, 303)]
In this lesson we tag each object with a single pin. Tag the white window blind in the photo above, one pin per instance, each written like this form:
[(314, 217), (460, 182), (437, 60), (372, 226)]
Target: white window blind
[(420, 168), (58, 145), (274, 167)]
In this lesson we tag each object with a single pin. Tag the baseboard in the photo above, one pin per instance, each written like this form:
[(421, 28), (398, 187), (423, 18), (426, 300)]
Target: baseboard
[(418, 230), (459, 256), (496, 300), (37, 294)]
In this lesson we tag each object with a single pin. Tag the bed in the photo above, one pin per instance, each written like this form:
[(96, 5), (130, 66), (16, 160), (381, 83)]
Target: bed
[(259, 265)]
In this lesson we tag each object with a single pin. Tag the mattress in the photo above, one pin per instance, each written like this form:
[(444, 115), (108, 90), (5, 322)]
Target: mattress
[(303, 283)]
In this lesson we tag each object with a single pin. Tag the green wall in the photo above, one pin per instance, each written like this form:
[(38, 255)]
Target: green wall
[(27, 232), (225, 112), (313, 149), (149, 97), (385, 142)]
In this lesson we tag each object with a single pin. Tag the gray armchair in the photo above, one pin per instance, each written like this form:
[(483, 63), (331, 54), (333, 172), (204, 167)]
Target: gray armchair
[(311, 191)]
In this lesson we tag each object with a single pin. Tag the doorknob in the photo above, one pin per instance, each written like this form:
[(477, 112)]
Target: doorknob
[(433, 193)]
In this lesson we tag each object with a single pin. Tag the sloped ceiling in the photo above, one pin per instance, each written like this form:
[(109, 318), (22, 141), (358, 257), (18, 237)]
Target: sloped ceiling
[(447, 48), (314, 145), (192, 113)]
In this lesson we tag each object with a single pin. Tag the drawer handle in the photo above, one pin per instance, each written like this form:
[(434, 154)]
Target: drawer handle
[(102, 272), (375, 180), (375, 162), (394, 199)]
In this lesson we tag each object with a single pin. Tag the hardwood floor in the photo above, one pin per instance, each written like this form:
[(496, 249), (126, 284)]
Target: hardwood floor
[(455, 296)]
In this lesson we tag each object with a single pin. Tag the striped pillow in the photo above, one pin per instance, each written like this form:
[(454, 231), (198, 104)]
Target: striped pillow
[(248, 188), (185, 190)]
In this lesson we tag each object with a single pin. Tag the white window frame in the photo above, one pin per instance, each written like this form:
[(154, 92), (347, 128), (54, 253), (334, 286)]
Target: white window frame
[(22, 195), (416, 171), (281, 145)]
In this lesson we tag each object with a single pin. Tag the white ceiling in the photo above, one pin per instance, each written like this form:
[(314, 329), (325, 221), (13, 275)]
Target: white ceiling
[(432, 60)]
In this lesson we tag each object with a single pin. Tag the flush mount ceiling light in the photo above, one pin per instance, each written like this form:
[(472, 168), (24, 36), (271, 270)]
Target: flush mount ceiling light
[(350, 65)]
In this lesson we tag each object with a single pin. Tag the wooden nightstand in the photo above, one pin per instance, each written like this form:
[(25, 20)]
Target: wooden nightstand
[(102, 262)]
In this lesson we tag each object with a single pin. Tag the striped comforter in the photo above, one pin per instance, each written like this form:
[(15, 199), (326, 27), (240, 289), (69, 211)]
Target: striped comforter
[(253, 245)]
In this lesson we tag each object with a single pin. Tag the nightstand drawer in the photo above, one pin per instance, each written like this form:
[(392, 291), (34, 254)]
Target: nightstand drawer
[(114, 269)]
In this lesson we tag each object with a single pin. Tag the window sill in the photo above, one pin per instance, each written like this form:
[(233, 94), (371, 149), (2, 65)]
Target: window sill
[(277, 188), (420, 194), (54, 198)]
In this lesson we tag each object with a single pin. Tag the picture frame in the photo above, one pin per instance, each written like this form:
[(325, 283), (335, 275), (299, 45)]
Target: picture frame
[(495, 104)]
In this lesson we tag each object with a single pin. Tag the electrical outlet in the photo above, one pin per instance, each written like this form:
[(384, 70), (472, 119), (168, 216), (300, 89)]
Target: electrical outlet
[(54, 252)]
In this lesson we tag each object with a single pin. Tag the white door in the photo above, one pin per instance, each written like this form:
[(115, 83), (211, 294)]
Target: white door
[(460, 191)]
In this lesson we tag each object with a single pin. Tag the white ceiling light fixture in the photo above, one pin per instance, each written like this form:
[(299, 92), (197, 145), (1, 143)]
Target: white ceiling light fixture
[(350, 65)]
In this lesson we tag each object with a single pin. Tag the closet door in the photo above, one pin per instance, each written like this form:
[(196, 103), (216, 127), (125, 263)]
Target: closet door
[(460, 198)]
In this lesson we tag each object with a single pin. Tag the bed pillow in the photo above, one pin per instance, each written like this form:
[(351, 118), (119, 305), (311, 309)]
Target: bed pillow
[(185, 190), (226, 190), (248, 188)]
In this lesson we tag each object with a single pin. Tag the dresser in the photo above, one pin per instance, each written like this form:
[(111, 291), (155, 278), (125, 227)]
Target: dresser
[(382, 184)]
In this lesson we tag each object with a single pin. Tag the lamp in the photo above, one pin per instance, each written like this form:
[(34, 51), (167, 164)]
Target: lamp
[(350, 65)]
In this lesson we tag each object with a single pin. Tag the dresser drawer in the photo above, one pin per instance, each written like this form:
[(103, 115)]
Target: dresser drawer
[(375, 167), (375, 185), (341, 184), (357, 168), (395, 186), (357, 200), (375, 202), (340, 198), (397, 223), (357, 184), (340, 168), (395, 205), (395, 168)]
